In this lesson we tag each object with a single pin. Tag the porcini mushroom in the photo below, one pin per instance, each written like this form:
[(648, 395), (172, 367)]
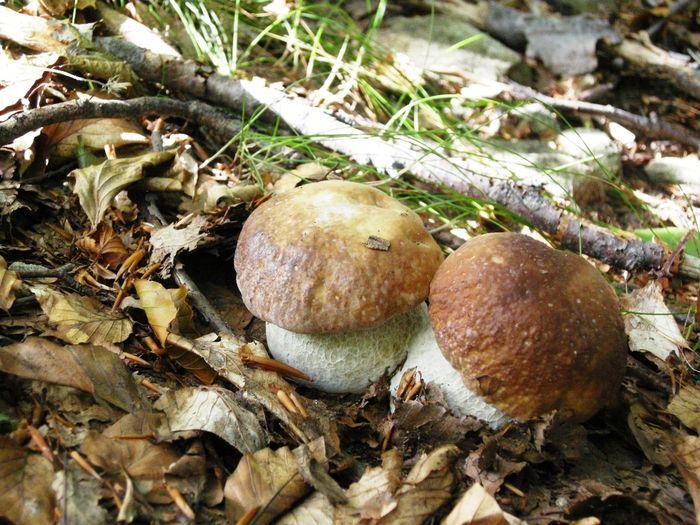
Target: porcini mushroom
[(520, 329), (337, 270)]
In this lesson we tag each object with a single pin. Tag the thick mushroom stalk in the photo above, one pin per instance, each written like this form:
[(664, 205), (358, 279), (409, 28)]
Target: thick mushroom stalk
[(346, 362), (425, 357)]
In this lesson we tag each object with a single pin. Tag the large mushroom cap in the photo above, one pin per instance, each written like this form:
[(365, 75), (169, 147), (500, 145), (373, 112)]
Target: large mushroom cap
[(334, 256), (530, 329)]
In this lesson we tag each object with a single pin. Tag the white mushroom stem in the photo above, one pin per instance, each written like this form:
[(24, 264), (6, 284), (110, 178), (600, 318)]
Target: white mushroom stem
[(425, 356), (346, 362)]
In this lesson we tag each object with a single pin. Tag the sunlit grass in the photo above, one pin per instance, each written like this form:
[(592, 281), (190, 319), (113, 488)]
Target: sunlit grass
[(323, 50)]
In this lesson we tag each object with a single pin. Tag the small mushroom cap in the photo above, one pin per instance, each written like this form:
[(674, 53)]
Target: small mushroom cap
[(529, 328), (334, 256)]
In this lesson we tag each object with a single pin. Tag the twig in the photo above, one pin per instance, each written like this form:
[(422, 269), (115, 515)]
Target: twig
[(666, 270), (393, 157), (199, 300), (36, 271), (220, 123), (648, 127), (182, 277), (675, 9)]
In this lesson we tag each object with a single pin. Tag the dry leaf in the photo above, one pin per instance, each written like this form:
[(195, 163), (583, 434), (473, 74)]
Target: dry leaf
[(97, 185), (649, 323), (88, 368), (9, 283), (79, 319), (25, 484), (67, 137), (18, 76), (213, 410), (314, 510), (104, 245), (267, 479), (159, 306), (33, 32), (308, 171), (686, 406), (211, 194), (144, 462), (78, 496), (56, 8), (651, 437), (224, 356), (687, 459), (372, 496), (168, 241), (476, 506), (427, 487)]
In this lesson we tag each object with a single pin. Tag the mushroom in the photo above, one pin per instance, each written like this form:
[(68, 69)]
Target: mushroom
[(337, 270), (520, 329)]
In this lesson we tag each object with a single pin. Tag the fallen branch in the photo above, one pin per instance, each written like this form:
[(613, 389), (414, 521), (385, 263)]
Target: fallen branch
[(394, 157), (36, 271), (215, 120), (651, 128)]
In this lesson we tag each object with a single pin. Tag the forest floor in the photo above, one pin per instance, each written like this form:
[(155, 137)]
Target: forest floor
[(136, 138)]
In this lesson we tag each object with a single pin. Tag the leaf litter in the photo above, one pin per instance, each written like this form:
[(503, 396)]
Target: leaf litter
[(122, 400)]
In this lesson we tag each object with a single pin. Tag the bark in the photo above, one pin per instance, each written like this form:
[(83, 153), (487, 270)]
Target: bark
[(394, 157), (220, 123)]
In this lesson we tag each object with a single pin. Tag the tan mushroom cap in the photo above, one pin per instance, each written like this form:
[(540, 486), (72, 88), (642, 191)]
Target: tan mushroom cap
[(530, 329), (334, 256)]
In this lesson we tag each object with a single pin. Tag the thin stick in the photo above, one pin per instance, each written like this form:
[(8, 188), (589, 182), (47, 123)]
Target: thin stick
[(213, 119)]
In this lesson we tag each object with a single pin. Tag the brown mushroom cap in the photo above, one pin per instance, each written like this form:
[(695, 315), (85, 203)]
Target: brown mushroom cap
[(334, 256), (529, 328)]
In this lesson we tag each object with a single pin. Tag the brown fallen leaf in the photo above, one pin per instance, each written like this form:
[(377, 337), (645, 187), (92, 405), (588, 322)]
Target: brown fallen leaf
[(651, 437), (478, 507), (213, 410), (37, 33), (80, 319), (9, 283), (89, 368), (262, 386), (686, 457), (67, 137), (159, 306), (104, 245), (25, 485), (269, 480), (686, 406), (166, 310), (19, 75), (426, 488), (314, 510), (170, 240), (97, 185), (134, 455), (372, 496), (78, 496), (649, 323)]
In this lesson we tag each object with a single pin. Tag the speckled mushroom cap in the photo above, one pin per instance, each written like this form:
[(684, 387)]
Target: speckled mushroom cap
[(333, 256), (530, 329)]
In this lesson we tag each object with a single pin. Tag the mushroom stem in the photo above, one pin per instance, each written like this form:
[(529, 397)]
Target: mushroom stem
[(425, 357), (346, 362)]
